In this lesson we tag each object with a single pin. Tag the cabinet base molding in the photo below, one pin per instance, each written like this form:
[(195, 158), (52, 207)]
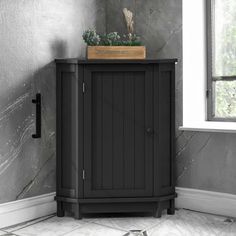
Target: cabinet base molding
[(115, 205)]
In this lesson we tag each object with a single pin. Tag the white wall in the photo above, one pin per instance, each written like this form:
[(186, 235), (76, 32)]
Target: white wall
[(194, 62)]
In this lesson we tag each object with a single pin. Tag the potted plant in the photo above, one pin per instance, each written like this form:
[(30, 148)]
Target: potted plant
[(112, 45)]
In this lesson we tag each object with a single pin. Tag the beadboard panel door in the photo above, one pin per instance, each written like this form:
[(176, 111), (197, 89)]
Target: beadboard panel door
[(118, 131)]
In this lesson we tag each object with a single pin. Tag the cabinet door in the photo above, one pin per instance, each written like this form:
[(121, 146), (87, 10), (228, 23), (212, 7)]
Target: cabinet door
[(118, 122)]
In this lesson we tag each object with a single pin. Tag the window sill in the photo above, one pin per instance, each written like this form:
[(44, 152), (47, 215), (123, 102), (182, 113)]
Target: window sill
[(211, 126)]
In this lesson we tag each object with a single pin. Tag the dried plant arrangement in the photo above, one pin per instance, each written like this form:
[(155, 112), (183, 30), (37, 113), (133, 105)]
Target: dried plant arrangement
[(114, 46), (129, 20)]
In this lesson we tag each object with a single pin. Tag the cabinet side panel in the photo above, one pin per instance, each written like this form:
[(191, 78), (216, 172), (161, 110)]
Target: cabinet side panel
[(164, 120), (67, 135)]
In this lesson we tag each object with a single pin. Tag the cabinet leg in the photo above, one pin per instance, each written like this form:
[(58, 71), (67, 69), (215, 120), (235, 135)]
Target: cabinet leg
[(171, 210), (157, 213), (60, 210), (77, 212)]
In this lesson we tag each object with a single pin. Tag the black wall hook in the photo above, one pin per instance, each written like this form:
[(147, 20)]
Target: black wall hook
[(37, 101)]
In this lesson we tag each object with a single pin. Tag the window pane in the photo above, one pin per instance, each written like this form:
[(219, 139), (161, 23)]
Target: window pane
[(225, 99), (224, 37)]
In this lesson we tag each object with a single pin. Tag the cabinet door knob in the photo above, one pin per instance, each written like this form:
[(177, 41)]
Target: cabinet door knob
[(150, 131)]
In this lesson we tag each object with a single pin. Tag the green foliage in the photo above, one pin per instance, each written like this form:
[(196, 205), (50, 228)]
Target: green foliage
[(224, 57), (92, 38), (225, 98), (225, 38), (131, 40), (110, 39)]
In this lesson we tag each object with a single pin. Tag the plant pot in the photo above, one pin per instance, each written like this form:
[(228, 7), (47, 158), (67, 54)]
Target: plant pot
[(116, 52)]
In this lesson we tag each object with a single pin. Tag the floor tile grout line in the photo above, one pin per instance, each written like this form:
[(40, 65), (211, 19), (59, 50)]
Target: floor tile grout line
[(163, 220), (215, 215), (121, 229), (17, 234), (129, 231), (186, 224), (110, 227), (4, 231), (79, 227), (89, 221), (33, 223), (10, 233), (155, 225), (211, 214)]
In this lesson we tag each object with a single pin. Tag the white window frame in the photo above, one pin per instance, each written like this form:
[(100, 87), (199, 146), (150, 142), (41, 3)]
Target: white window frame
[(195, 71)]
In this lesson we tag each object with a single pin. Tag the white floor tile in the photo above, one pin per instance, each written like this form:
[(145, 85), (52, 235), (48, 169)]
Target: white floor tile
[(95, 230), (229, 230), (53, 227), (130, 223), (183, 223), (190, 223), (25, 224), (2, 233)]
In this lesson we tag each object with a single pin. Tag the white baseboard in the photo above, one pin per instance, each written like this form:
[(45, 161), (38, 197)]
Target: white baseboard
[(19, 211), (206, 201)]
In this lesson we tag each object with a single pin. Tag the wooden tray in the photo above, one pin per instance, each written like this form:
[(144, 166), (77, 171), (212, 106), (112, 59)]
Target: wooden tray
[(116, 52)]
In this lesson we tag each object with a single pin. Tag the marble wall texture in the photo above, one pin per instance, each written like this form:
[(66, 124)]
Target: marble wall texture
[(34, 33), (205, 161)]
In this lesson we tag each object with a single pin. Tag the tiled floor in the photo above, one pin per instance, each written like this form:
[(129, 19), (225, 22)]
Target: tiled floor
[(183, 223)]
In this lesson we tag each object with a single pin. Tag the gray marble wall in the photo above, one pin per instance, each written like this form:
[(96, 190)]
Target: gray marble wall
[(204, 160), (34, 33)]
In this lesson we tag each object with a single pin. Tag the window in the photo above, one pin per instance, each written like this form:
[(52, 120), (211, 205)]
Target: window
[(221, 37)]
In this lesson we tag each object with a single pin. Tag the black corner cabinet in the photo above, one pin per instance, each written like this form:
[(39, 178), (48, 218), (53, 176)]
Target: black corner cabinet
[(115, 136)]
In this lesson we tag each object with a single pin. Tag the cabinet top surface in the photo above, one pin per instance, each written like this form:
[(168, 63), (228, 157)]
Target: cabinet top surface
[(85, 61)]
